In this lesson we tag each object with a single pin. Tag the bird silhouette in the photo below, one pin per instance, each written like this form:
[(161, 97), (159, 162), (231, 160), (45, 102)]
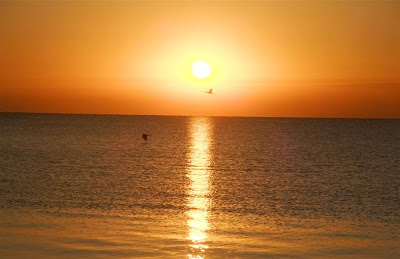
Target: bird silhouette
[(210, 91), (144, 136)]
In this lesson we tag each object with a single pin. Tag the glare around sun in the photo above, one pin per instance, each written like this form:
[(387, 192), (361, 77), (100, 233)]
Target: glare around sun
[(201, 69)]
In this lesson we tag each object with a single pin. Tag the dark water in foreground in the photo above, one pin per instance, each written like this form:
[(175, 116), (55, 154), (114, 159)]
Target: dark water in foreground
[(89, 186)]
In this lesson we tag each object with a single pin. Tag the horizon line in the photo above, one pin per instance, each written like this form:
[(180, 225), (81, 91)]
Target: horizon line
[(229, 116)]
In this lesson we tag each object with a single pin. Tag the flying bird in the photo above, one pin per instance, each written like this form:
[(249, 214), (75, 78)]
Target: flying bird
[(144, 136), (210, 91)]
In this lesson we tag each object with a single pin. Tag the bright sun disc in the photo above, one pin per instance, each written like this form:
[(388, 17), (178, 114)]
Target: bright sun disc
[(201, 69)]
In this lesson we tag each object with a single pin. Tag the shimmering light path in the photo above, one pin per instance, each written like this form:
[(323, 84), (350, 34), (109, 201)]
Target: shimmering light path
[(199, 159)]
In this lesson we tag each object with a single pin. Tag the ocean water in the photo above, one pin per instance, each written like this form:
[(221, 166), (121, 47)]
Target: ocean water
[(88, 186)]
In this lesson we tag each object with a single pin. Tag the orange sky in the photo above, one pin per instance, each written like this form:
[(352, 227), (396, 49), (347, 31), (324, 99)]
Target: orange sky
[(268, 58)]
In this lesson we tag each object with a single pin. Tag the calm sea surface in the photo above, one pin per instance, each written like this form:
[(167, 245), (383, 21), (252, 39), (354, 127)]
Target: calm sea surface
[(89, 186)]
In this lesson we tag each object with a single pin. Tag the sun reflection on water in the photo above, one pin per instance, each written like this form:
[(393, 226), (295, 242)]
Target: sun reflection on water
[(198, 172)]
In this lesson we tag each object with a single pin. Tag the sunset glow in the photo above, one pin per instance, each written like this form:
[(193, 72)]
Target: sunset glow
[(267, 58), (199, 129)]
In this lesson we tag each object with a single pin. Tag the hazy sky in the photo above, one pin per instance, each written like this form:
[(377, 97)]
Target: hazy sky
[(268, 58)]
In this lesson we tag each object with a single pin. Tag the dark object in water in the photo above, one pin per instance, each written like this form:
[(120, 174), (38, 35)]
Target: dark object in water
[(144, 136)]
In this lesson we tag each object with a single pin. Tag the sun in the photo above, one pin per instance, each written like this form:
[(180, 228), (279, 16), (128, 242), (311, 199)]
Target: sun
[(201, 69)]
